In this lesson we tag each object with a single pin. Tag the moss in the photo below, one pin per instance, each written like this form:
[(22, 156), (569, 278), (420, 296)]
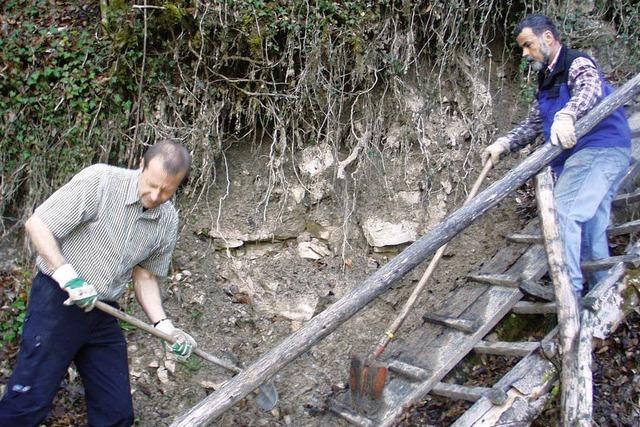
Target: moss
[(515, 327)]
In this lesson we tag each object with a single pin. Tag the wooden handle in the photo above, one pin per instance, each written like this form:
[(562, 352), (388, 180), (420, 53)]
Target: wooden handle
[(154, 331)]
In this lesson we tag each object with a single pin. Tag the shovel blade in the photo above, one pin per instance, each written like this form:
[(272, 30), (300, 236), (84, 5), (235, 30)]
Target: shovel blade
[(367, 379), (267, 397)]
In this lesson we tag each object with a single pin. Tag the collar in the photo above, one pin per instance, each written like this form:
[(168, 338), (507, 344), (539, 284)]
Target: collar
[(132, 187), (557, 66), (555, 60)]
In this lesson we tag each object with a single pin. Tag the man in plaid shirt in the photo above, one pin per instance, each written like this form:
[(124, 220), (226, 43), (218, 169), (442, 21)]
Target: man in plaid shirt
[(590, 168)]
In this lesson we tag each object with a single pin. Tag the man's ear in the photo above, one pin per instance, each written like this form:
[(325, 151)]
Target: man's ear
[(548, 37), (142, 163)]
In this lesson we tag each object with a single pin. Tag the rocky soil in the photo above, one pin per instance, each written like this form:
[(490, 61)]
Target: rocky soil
[(245, 278)]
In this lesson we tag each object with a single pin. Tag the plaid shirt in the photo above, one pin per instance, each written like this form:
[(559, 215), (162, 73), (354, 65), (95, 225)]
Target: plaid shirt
[(103, 232), (586, 91)]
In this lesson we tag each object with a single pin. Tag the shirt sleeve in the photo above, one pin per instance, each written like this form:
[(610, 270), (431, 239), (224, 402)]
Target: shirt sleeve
[(72, 204), (527, 130), (585, 87), (159, 261)]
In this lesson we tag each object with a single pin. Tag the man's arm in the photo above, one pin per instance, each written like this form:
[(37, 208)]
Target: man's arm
[(80, 292), (586, 88), (527, 130), (147, 293), (44, 242)]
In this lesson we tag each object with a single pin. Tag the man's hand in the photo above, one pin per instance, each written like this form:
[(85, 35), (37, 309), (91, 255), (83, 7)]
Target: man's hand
[(80, 292), (563, 130), (184, 345), (495, 150)]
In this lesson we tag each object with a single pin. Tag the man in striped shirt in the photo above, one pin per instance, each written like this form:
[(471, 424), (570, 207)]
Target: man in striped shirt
[(105, 227), (590, 168)]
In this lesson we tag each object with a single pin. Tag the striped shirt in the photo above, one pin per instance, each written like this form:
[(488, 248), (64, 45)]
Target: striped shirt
[(103, 232), (586, 91)]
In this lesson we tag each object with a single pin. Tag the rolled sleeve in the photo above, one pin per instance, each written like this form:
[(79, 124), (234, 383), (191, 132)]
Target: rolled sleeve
[(72, 204), (159, 261)]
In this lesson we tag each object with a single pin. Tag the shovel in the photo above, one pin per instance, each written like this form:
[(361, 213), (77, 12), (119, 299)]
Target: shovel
[(267, 396), (367, 375)]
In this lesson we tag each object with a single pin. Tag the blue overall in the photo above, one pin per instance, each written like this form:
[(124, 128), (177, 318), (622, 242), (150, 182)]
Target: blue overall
[(588, 174), (55, 335)]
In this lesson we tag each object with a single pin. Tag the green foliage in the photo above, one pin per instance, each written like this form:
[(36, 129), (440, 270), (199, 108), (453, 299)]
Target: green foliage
[(100, 86), (14, 301)]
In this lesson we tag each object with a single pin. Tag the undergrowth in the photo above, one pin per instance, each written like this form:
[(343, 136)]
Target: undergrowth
[(82, 84)]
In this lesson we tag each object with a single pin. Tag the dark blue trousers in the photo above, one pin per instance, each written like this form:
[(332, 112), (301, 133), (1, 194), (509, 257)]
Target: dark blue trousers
[(55, 335)]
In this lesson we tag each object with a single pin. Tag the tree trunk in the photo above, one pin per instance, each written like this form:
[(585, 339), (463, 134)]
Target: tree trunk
[(566, 303)]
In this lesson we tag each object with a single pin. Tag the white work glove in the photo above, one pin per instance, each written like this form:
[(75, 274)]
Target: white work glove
[(184, 344), (80, 292), (495, 150), (563, 130)]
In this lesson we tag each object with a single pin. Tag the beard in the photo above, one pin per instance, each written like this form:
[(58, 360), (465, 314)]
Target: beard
[(545, 50)]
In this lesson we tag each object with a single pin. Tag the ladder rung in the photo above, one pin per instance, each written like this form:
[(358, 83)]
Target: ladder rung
[(508, 280), (612, 231), (463, 325), (626, 199), (469, 393), (603, 264), (412, 372), (527, 307), (524, 238), (505, 348), (626, 228), (349, 415), (537, 290)]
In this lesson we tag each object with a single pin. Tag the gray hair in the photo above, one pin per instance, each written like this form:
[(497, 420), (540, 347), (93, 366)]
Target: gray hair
[(176, 157), (539, 24)]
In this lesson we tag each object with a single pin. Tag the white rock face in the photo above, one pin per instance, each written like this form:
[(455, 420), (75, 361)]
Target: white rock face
[(316, 159), (381, 233)]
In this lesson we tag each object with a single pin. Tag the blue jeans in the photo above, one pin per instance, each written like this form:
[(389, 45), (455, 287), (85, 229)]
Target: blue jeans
[(583, 195), (54, 335)]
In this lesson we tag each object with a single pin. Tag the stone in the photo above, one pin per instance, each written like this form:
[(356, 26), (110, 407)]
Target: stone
[(163, 375), (301, 310), (314, 249), (381, 233), (297, 193)]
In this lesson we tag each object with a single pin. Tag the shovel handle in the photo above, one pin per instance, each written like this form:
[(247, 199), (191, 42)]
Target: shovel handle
[(397, 322), (119, 314)]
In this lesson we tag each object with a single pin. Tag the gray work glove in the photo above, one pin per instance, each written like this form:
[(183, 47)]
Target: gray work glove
[(495, 151), (563, 130), (80, 292), (184, 345)]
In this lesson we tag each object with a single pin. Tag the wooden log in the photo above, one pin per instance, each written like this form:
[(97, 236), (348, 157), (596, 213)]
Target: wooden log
[(505, 348), (528, 307), (414, 373), (584, 409), (463, 325), (568, 316), (328, 320)]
